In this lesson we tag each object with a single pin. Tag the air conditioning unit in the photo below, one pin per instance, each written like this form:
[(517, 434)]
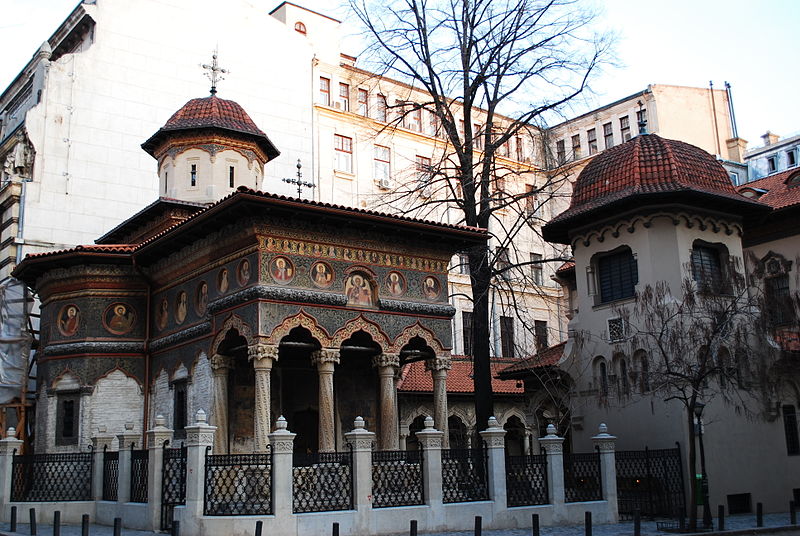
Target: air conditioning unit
[(337, 105), (384, 183), (616, 329)]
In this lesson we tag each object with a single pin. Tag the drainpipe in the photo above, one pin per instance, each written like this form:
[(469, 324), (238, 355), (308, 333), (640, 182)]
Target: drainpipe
[(21, 222), (146, 405), (735, 131), (714, 111)]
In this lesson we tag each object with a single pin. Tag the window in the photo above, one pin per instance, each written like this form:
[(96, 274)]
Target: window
[(344, 153), (166, 181), (344, 96), (734, 178), (625, 387), (193, 175), (644, 380), (231, 176), (434, 125), (791, 158), (576, 147), (463, 264), (625, 128), (540, 335), (707, 268), (424, 170), (502, 262), (507, 336), (520, 149), (476, 135), (68, 415), (617, 276), (561, 152), (536, 268), (466, 331), (179, 406), (532, 199), (591, 137), (414, 120), (299, 27), (641, 118), (772, 164), (363, 98), (324, 91), (382, 165), (602, 373), (382, 109), (790, 428), (608, 136), (779, 305)]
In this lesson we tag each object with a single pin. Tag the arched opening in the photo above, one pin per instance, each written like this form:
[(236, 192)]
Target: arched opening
[(241, 393), (356, 381), (457, 431), (412, 443), (417, 349), (515, 436)]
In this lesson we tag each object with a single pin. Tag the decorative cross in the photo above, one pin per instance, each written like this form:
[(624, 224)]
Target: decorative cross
[(215, 72), (299, 181)]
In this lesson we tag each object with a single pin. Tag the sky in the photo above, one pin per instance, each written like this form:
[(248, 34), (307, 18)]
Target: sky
[(753, 45)]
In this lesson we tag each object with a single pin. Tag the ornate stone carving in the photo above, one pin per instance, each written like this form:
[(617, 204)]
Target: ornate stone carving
[(325, 355), (184, 335), (233, 322), (603, 440), (438, 363), (418, 330), (260, 351), (494, 435), (95, 347), (360, 323), (386, 360), (220, 363), (301, 319)]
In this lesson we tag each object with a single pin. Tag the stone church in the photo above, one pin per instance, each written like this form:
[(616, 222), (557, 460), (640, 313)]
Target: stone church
[(242, 303)]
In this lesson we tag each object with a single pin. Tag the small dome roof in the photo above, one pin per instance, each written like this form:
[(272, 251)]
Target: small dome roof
[(648, 169), (212, 113)]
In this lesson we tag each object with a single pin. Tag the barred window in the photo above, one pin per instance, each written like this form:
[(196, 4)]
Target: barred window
[(507, 336), (790, 427), (707, 268), (617, 276), (68, 419), (779, 305)]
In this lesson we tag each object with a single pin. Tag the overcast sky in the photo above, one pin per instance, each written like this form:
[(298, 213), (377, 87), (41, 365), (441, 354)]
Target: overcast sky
[(751, 44)]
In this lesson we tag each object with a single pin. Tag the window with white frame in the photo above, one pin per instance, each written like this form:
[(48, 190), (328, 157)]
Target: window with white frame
[(324, 91), (561, 152), (414, 119), (536, 268), (382, 166), (576, 147), (424, 170), (344, 96), (608, 135), (344, 153), (791, 157), (463, 264), (591, 140), (381, 111), (363, 99), (625, 128)]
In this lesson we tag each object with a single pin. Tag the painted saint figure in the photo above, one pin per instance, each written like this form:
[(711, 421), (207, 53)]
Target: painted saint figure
[(282, 270), (358, 290), (119, 318), (163, 314), (69, 320), (321, 275), (395, 284), (222, 281), (181, 308), (244, 272), (431, 288), (201, 298)]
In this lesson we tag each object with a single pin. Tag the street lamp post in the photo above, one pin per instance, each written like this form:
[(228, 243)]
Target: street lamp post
[(698, 412)]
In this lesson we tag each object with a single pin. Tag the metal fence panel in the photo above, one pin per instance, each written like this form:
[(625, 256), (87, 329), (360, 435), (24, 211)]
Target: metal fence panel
[(464, 475), (397, 478), (526, 480), (173, 484), (650, 481), (110, 475), (322, 482), (238, 484), (139, 463), (582, 477), (52, 477)]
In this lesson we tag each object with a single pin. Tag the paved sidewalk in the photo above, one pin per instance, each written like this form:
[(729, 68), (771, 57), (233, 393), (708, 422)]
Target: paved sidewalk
[(732, 523)]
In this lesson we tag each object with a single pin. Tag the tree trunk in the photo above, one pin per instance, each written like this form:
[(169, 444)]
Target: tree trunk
[(481, 330), (692, 471)]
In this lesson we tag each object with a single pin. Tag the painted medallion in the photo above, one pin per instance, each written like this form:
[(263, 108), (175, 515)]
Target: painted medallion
[(162, 316), (222, 281), (201, 298), (281, 269), (431, 288), (69, 319), (321, 274), (395, 284), (119, 318), (181, 307), (243, 272), (358, 290)]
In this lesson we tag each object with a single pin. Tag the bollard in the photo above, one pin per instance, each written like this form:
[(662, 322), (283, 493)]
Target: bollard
[(413, 530), (721, 517), (176, 528), (478, 525), (117, 526), (85, 525), (534, 524), (759, 515), (13, 519), (33, 521), (637, 523), (335, 530), (792, 513), (57, 523), (588, 518), (259, 527)]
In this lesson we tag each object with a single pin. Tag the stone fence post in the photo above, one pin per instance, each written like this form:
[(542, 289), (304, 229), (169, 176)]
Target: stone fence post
[(608, 468), (156, 439), (199, 439), (494, 436), (127, 441), (430, 440), (361, 441), (282, 442), (554, 448), (8, 447), (100, 443)]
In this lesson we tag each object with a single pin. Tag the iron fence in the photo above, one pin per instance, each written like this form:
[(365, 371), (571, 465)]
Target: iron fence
[(139, 463), (397, 478), (322, 481), (238, 484), (582, 477), (110, 474), (464, 475), (650, 481), (52, 477), (173, 483), (526, 480)]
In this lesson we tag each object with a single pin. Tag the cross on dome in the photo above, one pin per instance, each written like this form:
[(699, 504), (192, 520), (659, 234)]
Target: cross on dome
[(214, 72)]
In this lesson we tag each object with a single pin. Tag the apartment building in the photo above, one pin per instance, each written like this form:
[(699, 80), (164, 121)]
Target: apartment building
[(776, 155)]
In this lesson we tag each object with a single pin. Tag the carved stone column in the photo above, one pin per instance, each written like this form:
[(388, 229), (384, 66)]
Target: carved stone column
[(325, 360), (387, 365), (438, 368), (263, 356), (220, 367)]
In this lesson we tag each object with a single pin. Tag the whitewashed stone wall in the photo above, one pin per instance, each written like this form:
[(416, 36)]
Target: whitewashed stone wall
[(117, 399)]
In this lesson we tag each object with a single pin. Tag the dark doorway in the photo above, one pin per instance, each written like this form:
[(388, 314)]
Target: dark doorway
[(306, 426)]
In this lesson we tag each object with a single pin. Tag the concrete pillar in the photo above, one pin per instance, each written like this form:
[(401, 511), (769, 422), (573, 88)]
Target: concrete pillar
[(199, 440), (430, 440), (127, 440), (325, 360), (494, 437), (220, 367), (263, 356), (9, 446), (438, 368), (608, 467), (101, 443), (554, 448), (360, 441), (282, 441), (387, 365), (156, 439)]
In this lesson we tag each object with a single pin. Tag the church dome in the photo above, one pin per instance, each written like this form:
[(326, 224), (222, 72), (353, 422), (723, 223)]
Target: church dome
[(647, 170)]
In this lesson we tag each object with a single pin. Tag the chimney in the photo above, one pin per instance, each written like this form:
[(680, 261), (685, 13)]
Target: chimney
[(736, 149), (770, 138)]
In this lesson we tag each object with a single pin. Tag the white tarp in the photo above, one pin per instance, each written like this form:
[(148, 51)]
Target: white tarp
[(15, 339)]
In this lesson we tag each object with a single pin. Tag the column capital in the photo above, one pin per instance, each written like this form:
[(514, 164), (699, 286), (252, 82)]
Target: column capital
[(261, 352), (386, 360), (325, 355), (603, 440), (220, 364), (438, 363), (200, 434), (429, 437), (551, 443), (282, 440), (360, 438), (494, 435)]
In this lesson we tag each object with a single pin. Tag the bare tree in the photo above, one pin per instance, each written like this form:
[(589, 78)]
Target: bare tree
[(490, 73)]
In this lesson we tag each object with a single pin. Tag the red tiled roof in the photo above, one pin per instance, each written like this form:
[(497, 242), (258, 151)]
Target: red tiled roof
[(779, 193), (566, 267), (414, 378), (548, 357)]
